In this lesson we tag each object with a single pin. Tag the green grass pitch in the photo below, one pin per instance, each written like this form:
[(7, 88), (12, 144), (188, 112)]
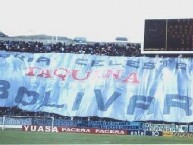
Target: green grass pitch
[(21, 137)]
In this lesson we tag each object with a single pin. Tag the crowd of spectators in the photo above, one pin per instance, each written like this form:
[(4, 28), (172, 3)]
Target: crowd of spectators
[(109, 49), (93, 48)]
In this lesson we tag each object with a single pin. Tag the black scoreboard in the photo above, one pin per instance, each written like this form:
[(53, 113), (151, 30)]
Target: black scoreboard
[(168, 35)]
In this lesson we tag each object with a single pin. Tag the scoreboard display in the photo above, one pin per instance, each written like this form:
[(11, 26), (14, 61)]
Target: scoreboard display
[(168, 35)]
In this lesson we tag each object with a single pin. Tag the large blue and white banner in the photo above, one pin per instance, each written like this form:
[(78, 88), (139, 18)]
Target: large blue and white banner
[(126, 88)]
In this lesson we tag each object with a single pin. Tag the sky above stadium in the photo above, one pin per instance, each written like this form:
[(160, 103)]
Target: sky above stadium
[(99, 20)]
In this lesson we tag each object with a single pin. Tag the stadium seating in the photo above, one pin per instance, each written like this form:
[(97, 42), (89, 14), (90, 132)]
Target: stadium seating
[(110, 49)]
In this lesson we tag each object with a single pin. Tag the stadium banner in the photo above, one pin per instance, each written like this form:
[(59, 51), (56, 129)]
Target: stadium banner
[(183, 134), (124, 88), (72, 130), (167, 133), (165, 127), (190, 128), (154, 133), (125, 125), (16, 121), (136, 132)]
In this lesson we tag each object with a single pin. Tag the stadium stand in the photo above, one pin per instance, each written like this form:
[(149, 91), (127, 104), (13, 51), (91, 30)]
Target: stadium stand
[(108, 49)]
